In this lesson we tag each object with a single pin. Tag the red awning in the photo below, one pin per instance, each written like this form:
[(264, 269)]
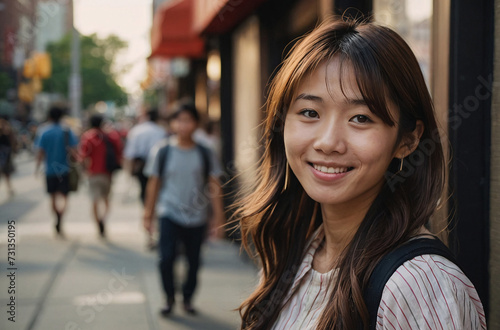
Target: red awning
[(215, 17), (172, 34)]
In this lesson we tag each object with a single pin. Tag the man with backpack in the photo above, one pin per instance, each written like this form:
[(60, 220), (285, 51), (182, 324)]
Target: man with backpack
[(185, 192), (101, 155), (55, 147)]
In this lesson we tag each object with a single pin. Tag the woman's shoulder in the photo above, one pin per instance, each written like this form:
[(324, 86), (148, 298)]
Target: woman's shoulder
[(432, 291)]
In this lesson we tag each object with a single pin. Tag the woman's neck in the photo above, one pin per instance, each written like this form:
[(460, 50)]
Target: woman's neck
[(340, 225)]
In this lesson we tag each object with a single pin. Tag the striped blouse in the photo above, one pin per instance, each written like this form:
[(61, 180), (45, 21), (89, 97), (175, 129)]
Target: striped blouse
[(427, 292)]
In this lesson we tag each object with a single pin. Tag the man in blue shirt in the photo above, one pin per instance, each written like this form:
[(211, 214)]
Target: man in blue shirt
[(53, 149)]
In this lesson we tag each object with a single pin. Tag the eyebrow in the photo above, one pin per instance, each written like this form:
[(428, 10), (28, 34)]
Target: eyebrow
[(309, 97), (314, 98)]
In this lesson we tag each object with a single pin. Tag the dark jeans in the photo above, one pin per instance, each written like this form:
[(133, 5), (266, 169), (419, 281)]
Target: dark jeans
[(143, 181), (191, 237)]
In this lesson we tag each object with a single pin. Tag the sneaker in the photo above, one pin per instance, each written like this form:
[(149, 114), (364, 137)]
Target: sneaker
[(188, 308), (58, 223), (101, 228), (167, 310)]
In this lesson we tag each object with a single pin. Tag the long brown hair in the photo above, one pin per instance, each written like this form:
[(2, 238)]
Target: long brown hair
[(277, 218)]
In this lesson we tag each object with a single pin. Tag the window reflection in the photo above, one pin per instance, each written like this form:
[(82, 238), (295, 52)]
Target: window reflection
[(412, 19)]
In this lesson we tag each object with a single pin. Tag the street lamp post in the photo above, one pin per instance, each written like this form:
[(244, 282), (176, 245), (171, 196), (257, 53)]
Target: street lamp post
[(75, 82)]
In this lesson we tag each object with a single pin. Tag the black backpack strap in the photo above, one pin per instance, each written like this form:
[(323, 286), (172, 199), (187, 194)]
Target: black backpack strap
[(107, 142), (162, 154), (391, 262), (67, 144), (66, 139), (105, 138), (205, 155), (112, 162)]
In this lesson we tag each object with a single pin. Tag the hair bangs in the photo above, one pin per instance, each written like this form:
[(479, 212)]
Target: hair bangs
[(307, 58), (357, 55)]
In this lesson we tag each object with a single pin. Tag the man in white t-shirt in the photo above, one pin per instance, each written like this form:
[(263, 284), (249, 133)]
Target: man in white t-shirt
[(140, 140)]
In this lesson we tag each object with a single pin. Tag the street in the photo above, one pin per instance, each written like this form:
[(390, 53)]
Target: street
[(84, 282)]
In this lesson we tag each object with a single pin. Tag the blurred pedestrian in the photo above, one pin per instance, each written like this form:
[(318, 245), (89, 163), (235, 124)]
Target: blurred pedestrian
[(209, 135), (101, 155), (56, 146), (140, 140), (8, 144), (336, 217), (183, 184)]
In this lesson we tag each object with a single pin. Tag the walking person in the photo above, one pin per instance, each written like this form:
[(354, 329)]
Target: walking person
[(8, 146), (140, 140), (101, 154), (185, 192), (56, 145), (349, 176)]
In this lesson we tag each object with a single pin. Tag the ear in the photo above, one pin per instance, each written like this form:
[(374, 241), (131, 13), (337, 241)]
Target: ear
[(410, 142)]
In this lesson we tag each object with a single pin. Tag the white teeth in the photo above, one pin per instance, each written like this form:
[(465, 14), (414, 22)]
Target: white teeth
[(325, 169)]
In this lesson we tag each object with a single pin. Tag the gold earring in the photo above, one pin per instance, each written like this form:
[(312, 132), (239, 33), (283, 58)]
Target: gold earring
[(401, 165), (286, 177)]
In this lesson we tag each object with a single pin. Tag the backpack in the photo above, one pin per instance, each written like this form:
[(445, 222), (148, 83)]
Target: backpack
[(73, 174), (112, 163), (391, 261), (205, 155)]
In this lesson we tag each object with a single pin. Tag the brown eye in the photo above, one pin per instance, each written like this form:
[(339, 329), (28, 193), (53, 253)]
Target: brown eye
[(309, 113), (361, 119)]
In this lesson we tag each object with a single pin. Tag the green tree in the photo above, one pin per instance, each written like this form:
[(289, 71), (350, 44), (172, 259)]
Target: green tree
[(97, 59), (5, 84)]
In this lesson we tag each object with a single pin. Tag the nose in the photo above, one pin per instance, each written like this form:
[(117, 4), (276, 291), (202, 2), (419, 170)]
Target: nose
[(330, 138)]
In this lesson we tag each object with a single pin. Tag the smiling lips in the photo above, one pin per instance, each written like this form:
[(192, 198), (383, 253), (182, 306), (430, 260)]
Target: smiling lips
[(331, 170)]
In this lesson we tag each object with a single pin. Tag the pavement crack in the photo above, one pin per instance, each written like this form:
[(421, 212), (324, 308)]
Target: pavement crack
[(153, 324), (56, 271)]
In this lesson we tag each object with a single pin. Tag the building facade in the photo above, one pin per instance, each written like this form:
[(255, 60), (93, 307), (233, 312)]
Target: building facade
[(26, 27), (17, 41)]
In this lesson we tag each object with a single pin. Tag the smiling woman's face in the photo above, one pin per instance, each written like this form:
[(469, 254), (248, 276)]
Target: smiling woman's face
[(337, 148)]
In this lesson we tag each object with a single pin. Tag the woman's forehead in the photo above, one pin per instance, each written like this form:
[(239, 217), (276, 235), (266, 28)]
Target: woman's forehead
[(335, 76)]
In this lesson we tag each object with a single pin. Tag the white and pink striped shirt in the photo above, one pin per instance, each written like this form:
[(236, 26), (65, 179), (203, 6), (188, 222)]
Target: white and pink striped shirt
[(427, 292)]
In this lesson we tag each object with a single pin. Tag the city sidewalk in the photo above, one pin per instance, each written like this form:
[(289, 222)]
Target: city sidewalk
[(84, 282)]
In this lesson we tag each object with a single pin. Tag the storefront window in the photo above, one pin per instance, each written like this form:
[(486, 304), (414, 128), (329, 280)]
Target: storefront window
[(412, 19), (213, 84)]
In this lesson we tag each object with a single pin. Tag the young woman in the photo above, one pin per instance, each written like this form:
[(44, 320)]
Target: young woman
[(353, 167)]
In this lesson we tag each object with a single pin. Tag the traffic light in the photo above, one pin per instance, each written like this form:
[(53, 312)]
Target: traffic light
[(36, 68)]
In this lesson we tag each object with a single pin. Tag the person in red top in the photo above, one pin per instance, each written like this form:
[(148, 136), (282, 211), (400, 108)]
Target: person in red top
[(93, 146)]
